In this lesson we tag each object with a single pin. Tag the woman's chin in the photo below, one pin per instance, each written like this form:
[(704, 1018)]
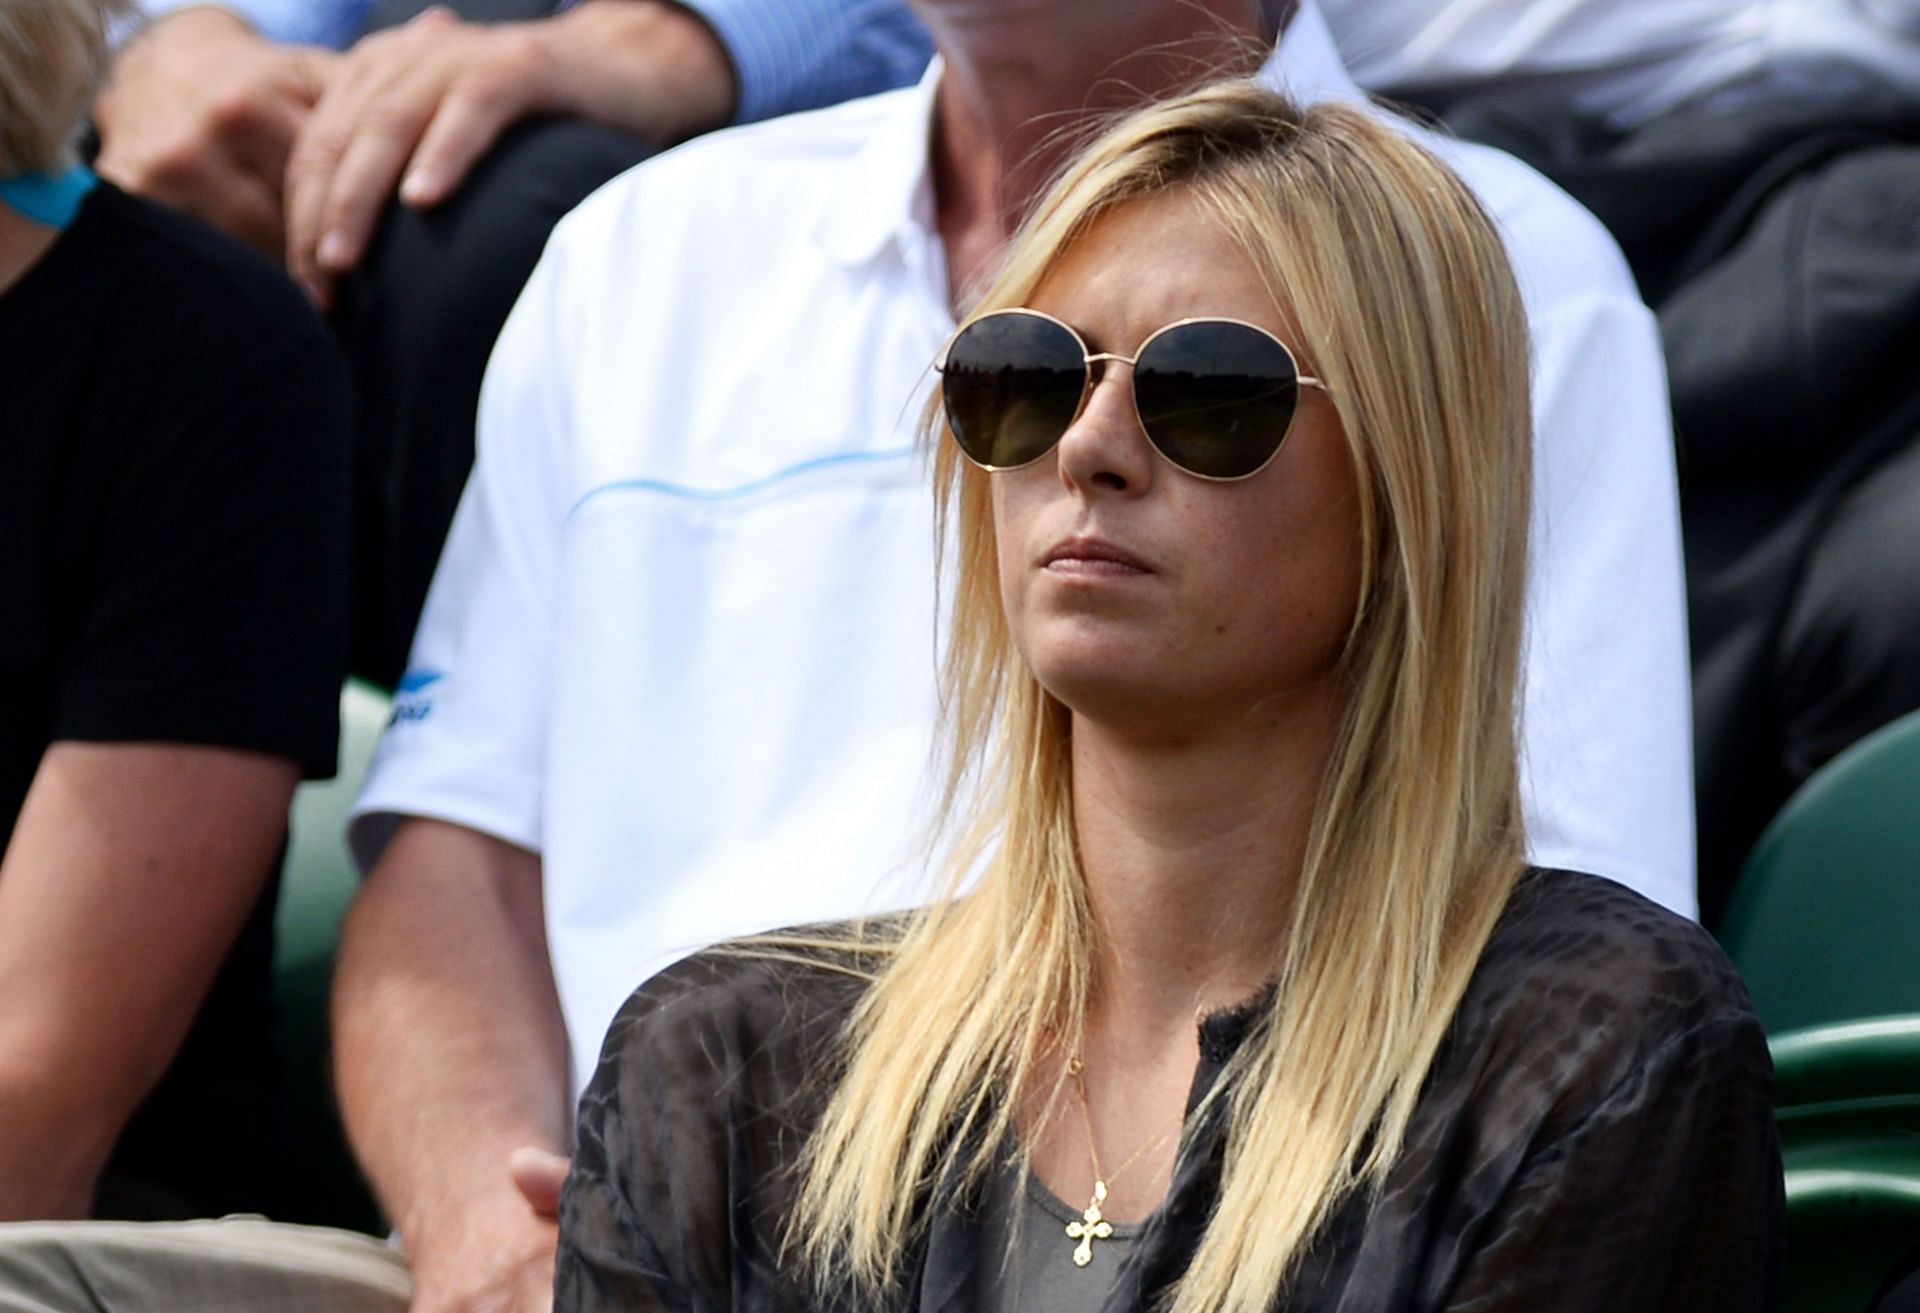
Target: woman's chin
[(1119, 694)]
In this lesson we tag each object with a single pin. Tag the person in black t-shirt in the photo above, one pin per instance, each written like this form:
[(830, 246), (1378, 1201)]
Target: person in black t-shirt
[(173, 524)]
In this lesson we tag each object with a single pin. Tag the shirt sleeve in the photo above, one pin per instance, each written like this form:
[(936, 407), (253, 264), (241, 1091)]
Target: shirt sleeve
[(802, 54), (1665, 1193), (606, 1263), (1607, 721), (646, 1219), (688, 1134), (218, 611), (330, 23), (467, 740)]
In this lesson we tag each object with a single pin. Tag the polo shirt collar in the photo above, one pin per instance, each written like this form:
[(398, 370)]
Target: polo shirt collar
[(890, 193)]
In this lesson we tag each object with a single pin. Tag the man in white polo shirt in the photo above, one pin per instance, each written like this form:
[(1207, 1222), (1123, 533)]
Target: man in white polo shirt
[(675, 677)]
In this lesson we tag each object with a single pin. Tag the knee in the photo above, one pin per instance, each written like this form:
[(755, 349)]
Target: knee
[(451, 273)]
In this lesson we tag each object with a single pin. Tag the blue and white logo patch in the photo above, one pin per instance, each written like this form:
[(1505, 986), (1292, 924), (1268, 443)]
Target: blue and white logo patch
[(411, 700)]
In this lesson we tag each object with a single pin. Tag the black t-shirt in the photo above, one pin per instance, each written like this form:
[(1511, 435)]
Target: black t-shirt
[(174, 523)]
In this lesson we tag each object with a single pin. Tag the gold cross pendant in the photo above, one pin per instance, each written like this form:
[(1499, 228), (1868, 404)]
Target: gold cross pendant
[(1091, 1227)]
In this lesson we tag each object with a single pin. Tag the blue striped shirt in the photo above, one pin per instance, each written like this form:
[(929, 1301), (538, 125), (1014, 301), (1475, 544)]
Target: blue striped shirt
[(789, 54)]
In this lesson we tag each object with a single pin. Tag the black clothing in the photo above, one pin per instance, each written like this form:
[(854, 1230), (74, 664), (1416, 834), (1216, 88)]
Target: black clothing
[(175, 532), (1596, 1134), (1781, 250), (1900, 1292), (419, 318)]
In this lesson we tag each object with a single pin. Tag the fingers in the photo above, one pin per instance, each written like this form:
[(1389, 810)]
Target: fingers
[(258, 133), (365, 169), (189, 146), (468, 122), (338, 127), (249, 208), (539, 1176), (200, 113), (211, 185), (309, 70), (423, 102)]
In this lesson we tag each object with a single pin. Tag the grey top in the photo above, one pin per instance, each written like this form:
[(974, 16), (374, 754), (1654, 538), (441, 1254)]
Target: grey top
[(1026, 1258)]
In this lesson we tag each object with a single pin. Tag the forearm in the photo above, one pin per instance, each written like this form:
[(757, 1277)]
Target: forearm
[(55, 1132), (68, 1082), (130, 871), (450, 1048)]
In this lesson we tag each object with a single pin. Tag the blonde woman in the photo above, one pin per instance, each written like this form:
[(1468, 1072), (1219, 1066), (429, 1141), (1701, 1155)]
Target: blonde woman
[(1250, 1001)]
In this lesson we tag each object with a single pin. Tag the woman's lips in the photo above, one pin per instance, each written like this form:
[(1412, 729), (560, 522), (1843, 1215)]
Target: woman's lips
[(1093, 558)]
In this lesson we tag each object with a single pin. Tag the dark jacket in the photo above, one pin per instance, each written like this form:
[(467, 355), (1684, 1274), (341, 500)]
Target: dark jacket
[(1596, 1134)]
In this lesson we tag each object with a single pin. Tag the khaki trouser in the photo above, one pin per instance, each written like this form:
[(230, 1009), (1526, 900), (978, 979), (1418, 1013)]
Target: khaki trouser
[(232, 1265)]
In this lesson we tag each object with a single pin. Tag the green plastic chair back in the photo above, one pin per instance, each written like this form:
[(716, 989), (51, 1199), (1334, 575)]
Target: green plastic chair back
[(1849, 1113), (1852, 1210), (1825, 920), (318, 883)]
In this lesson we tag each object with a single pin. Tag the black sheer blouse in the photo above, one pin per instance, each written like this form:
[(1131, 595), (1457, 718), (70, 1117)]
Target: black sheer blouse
[(1596, 1134)]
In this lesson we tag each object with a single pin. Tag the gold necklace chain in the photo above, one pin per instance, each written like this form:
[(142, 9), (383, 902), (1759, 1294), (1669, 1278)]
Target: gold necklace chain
[(1093, 1224)]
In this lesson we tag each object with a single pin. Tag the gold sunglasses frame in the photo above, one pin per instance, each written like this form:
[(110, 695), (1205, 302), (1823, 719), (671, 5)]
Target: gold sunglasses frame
[(1087, 383)]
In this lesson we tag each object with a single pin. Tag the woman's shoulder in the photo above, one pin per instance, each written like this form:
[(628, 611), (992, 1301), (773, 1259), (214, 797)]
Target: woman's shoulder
[(1601, 943), (198, 289), (709, 1081), (191, 255), (1587, 979), (1599, 1116), (770, 997)]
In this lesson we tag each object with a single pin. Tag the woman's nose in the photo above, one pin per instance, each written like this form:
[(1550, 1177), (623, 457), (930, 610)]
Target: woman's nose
[(1105, 447)]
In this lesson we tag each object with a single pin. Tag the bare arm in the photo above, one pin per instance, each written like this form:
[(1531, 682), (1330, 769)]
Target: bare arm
[(131, 870), (451, 1054)]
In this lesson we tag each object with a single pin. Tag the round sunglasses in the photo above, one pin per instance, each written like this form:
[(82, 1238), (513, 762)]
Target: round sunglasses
[(1215, 396)]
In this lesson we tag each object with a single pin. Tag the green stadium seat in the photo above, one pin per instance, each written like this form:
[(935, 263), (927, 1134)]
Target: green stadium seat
[(318, 883), (1825, 926), (1849, 1110), (1825, 920)]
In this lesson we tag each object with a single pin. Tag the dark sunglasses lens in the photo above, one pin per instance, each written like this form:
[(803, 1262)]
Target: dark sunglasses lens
[(1012, 385), (1216, 398)]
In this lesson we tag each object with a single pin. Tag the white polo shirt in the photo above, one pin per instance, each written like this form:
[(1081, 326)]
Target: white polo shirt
[(683, 638)]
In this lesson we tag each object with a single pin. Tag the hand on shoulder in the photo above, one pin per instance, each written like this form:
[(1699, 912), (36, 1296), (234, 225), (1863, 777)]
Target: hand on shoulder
[(200, 112)]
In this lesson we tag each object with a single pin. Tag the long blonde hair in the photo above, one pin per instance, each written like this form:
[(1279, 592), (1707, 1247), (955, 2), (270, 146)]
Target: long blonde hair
[(1408, 309), (51, 52)]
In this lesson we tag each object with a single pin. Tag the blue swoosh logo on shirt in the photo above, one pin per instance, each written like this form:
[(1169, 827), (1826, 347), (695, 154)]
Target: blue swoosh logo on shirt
[(416, 680)]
